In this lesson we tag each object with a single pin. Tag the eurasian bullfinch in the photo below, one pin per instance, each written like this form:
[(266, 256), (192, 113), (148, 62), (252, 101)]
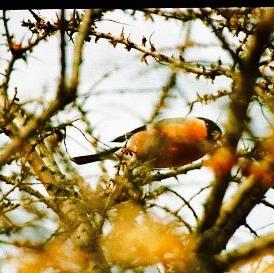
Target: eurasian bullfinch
[(169, 142)]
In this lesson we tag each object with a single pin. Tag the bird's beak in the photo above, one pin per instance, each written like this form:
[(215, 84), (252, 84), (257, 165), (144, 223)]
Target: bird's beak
[(216, 135), (219, 143)]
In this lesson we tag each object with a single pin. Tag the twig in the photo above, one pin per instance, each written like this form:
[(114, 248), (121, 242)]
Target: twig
[(84, 29), (5, 20), (251, 229), (177, 14), (234, 213), (247, 251), (161, 58), (208, 98), (206, 16), (185, 202), (266, 203), (173, 173), (35, 16), (63, 52), (187, 225), (197, 193), (30, 191), (170, 83)]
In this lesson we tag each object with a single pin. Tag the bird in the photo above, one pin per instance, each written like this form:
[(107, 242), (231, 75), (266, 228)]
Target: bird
[(167, 143)]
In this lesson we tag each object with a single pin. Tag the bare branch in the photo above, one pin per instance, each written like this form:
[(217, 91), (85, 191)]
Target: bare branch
[(173, 173), (247, 251), (29, 190), (164, 59), (185, 202)]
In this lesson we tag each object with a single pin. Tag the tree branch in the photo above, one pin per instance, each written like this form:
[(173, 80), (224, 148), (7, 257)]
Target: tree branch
[(243, 90), (246, 251), (29, 190), (68, 95)]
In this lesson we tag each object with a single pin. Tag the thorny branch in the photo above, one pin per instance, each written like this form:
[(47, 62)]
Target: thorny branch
[(68, 209), (29, 190), (162, 58), (242, 93), (212, 72), (247, 251)]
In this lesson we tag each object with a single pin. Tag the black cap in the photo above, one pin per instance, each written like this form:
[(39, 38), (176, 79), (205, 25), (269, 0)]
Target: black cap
[(214, 132)]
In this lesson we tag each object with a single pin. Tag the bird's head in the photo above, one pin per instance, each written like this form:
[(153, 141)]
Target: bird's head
[(214, 132)]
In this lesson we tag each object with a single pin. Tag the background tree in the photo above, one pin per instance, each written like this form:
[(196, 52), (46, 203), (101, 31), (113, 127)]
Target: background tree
[(119, 215)]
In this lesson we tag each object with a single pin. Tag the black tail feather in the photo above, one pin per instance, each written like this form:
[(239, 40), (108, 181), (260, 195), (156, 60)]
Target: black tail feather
[(84, 159)]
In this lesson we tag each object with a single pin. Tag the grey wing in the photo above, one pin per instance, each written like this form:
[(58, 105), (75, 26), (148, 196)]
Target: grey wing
[(156, 125), (126, 136)]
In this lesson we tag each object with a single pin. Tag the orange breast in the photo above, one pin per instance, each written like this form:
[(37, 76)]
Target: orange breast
[(171, 145)]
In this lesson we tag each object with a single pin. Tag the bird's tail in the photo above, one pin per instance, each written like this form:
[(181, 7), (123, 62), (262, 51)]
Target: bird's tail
[(84, 159)]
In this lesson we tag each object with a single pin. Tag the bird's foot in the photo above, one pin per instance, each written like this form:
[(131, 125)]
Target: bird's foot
[(126, 151)]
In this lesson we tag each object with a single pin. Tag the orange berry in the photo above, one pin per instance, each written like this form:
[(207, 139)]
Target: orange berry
[(261, 170), (222, 160)]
